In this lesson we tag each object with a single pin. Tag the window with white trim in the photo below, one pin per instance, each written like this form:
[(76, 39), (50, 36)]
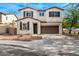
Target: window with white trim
[(28, 13), (41, 13), (54, 14), (24, 26)]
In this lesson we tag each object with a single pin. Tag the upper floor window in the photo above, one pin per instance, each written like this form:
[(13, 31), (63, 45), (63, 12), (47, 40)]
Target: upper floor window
[(41, 13), (54, 14), (28, 13)]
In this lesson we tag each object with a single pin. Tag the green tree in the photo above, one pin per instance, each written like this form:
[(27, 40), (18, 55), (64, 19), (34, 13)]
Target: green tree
[(72, 13), (66, 23)]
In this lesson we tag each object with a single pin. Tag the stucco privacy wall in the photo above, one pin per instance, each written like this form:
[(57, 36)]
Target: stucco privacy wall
[(30, 31)]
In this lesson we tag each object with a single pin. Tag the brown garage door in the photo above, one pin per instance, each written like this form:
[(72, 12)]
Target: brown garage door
[(49, 29)]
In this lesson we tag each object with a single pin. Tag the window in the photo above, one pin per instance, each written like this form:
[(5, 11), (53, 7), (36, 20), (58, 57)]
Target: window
[(41, 13), (28, 25), (54, 14), (20, 25), (24, 26), (28, 13)]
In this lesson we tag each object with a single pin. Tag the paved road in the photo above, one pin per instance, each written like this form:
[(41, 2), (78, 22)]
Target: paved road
[(15, 50), (44, 47)]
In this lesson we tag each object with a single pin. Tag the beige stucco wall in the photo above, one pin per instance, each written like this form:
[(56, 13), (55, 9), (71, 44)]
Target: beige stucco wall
[(54, 19), (50, 20), (30, 31), (28, 9), (3, 28), (46, 15), (9, 19), (60, 28), (3, 18)]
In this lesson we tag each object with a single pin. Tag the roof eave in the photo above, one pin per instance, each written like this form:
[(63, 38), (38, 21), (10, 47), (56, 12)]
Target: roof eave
[(54, 7), (27, 17)]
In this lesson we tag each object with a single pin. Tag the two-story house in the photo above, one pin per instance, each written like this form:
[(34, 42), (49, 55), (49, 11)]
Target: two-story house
[(6, 22), (33, 21)]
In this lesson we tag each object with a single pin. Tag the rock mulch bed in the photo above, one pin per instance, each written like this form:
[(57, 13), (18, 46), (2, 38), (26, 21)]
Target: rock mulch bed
[(28, 37), (20, 37)]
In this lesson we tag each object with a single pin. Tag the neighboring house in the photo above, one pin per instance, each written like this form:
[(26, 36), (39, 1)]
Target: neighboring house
[(74, 31), (48, 21), (6, 22)]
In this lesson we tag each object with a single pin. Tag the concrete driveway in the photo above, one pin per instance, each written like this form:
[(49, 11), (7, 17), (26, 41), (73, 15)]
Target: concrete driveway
[(46, 47)]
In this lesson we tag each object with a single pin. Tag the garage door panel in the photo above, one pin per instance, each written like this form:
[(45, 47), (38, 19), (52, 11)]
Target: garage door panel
[(49, 29)]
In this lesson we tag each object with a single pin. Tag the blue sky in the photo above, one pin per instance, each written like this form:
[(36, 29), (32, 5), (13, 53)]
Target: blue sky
[(14, 7)]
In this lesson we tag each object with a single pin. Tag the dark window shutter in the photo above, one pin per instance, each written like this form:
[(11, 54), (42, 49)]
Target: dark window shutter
[(24, 13), (20, 25), (28, 25), (32, 13), (49, 14), (58, 14)]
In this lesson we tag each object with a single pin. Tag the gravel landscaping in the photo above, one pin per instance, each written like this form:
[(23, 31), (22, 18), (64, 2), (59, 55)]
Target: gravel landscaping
[(52, 46)]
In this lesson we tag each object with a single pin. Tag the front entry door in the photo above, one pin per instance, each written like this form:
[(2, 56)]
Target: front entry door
[(35, 28)]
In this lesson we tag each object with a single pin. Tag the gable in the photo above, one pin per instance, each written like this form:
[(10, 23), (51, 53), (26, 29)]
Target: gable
[(54, 9), (27, 8), (29, 18)]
